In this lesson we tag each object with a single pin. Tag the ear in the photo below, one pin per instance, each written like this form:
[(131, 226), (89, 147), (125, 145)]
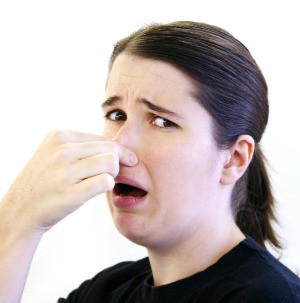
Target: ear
[(238, 159)]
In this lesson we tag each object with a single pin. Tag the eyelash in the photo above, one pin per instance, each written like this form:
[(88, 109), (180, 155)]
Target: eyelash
[(122, 117), (117, 111), (170, 124)]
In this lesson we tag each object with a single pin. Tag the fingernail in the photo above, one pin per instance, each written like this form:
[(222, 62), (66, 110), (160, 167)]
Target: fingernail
[(133, 159)]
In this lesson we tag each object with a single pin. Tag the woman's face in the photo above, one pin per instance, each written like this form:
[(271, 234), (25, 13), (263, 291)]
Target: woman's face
[(150, 108)]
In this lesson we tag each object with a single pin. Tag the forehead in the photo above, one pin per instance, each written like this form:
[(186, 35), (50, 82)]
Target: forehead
[(149, 75)]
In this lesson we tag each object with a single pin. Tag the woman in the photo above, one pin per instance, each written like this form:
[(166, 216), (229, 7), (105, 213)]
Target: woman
[(185, 109)]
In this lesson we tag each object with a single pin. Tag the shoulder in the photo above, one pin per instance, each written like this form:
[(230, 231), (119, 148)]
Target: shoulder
[(263, 278), (123, 276), (276, 290)]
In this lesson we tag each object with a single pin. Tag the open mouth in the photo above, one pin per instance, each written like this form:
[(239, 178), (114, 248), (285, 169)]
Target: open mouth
[(124, 190)]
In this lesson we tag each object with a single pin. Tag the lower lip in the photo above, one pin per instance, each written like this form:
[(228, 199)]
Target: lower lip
[(127, 201)]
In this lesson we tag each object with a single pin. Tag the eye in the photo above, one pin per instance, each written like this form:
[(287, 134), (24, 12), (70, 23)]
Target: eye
[(163, 123), (116, 115)]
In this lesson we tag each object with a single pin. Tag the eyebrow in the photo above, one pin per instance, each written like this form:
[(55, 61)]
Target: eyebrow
[(111, 101)]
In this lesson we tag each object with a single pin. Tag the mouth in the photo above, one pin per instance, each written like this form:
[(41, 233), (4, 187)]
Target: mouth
[(127, 190)]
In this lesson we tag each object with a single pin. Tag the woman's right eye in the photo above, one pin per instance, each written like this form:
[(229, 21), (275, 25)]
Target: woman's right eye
[(116, 115)]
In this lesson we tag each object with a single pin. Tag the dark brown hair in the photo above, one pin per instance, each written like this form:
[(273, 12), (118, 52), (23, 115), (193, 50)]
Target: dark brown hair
[(233, 90)]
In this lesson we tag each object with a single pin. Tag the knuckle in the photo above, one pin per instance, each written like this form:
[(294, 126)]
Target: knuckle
[(115, 172), (59, 136), (112, 147), (114, 158), (107, 182), (113, 164), (62, 152)]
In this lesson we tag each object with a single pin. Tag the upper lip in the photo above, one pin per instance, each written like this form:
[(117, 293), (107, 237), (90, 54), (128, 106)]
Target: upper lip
[(129, 181)]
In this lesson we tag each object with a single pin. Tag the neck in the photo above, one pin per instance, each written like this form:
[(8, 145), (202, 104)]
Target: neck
[(195, 254)]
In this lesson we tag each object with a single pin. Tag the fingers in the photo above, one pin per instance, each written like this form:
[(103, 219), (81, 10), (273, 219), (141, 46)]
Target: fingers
[(84, 159), (68, 169), (126, 157), (82, 150), (63, 136), (89, 145), (107, 163), (94, 186), (106, 160)]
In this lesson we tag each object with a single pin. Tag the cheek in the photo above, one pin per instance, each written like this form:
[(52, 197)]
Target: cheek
[(183, 168)]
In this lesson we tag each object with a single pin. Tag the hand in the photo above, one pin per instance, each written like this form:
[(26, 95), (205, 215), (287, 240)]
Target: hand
[(68, 169)]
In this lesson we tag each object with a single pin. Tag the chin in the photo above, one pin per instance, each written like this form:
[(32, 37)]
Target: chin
[(135, 231)]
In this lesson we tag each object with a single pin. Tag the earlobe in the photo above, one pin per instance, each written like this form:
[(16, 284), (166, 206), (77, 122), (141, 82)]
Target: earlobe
[(239, 157)]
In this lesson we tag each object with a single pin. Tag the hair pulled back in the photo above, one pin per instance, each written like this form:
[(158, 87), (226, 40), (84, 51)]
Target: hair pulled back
[(232, 89)]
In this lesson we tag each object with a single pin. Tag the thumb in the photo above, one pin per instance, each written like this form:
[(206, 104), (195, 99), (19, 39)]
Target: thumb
[(126, 156)]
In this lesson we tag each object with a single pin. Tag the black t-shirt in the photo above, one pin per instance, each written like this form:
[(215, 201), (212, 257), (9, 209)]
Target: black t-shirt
[(247, 273)]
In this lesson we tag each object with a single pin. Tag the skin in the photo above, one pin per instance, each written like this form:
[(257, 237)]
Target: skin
[(184, 220), (188, 178), (68, 169)]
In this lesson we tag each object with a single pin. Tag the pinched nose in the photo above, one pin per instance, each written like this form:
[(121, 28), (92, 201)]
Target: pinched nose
[(128, 133), (126, 156), (127, 136)]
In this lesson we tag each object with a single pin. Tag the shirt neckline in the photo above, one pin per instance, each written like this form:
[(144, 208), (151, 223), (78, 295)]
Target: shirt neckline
[(187, 286)]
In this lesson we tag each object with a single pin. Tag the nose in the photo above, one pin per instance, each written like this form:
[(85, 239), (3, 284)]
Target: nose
[(127, 135)]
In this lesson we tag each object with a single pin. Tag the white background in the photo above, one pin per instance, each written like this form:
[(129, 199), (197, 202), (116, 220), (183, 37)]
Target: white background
[(53, 65)]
